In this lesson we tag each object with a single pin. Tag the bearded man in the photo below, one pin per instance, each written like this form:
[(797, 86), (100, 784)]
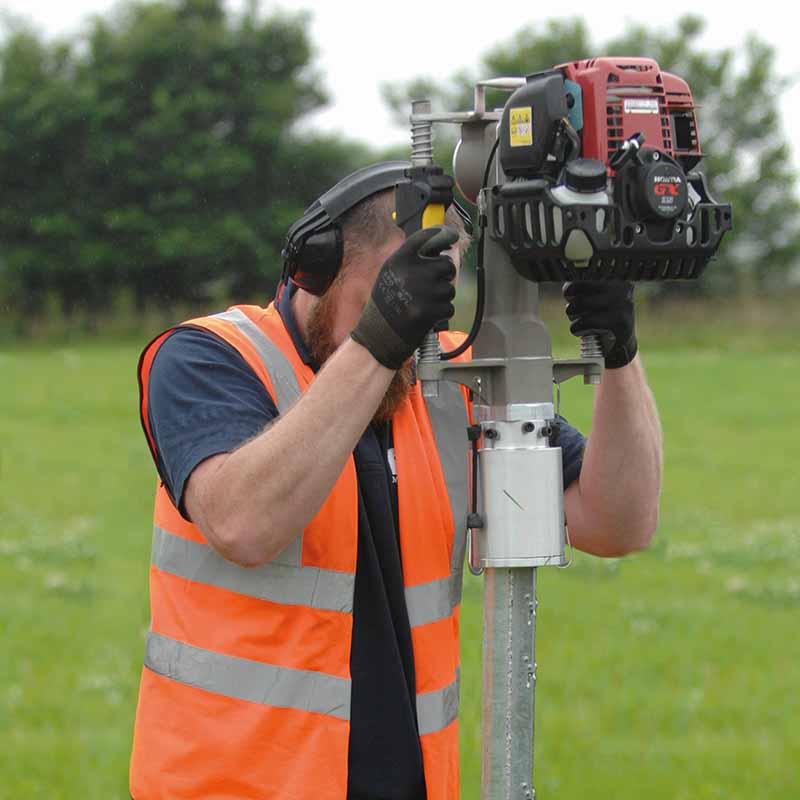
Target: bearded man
[(308, 542)]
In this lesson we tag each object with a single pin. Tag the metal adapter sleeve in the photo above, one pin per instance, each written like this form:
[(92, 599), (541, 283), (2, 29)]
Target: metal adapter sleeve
[(521, 495)]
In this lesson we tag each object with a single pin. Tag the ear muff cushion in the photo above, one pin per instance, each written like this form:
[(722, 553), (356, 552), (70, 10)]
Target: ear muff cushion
[(317, 260)]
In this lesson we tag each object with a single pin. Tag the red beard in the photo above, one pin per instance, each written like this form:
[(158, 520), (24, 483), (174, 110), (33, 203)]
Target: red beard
[(320, 343)]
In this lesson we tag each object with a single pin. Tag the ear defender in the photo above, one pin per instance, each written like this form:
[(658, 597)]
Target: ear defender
[(312, 254)]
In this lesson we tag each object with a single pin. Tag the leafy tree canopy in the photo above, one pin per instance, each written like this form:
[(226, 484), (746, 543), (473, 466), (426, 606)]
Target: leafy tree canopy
[(160, 151)]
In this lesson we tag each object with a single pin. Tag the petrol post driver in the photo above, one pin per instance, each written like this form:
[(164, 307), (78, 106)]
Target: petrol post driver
[(588, 173)]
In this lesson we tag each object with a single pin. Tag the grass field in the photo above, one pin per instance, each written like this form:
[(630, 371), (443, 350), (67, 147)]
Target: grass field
[(671, 675)]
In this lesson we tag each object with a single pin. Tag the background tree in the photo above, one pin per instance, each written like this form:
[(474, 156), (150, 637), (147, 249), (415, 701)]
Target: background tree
[(42, 141), (160, 152), (739, 90)]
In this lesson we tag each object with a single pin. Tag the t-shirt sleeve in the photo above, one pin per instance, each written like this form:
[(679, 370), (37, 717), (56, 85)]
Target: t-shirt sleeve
[(572, 443), (203, 399)]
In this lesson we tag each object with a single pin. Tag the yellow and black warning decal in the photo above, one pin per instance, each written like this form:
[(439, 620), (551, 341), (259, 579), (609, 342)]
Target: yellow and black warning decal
[(521, 127)]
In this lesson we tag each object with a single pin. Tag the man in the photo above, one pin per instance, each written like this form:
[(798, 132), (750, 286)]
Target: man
[(306, 560)]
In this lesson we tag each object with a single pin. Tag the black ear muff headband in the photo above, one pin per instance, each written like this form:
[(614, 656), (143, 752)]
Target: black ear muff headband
[(312, 255)]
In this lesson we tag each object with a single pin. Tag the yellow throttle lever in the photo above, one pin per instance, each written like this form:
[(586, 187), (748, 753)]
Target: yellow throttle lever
[(432, 215)]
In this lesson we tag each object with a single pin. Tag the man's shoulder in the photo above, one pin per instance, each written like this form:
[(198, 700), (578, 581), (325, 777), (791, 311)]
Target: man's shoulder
[(202, 399), (194, 356), (188, 344), (194, 367)]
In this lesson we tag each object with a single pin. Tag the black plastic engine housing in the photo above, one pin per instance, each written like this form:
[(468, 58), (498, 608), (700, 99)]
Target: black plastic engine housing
[(529, 122)]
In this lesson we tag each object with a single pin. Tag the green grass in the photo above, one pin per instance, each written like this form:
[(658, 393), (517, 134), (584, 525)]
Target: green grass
[(670, 675)]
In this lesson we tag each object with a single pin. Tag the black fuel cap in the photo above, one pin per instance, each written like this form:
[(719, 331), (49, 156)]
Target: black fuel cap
[(585, 175)]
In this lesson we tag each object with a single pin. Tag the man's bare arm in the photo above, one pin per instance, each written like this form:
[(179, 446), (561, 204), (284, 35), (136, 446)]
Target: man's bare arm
[(251, 503), (612, 509)]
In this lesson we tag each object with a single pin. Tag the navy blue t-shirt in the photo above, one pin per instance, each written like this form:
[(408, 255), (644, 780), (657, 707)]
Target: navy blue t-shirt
[(203, 399)]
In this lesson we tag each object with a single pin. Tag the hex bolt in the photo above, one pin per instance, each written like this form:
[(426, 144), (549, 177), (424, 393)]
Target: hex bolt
[(528, 427), (491, 433)]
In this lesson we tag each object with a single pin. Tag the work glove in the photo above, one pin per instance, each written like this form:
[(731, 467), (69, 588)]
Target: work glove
[(604, 308), (412, 293)]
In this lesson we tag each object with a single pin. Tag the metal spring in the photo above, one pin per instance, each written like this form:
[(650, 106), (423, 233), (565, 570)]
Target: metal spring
[(591, 347), (430, 349), (421, 143), (421, 135)]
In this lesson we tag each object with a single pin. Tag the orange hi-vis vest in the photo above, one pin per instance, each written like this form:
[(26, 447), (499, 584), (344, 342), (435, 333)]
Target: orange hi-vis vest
[(245, 690)]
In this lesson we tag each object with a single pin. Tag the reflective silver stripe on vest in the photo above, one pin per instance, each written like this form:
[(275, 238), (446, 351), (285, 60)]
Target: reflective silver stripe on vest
[(430, 602), (244, 679), (277, 583), (436, 710), (287, 391), (277, 365)]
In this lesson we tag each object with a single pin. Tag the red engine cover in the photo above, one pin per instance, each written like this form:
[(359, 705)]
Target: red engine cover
[(624, 96)]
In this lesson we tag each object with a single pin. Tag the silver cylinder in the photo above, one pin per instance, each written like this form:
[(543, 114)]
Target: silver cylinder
[(521, 496)]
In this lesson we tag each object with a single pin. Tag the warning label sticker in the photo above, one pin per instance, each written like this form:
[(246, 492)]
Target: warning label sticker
[(521, 127), (641, 105)]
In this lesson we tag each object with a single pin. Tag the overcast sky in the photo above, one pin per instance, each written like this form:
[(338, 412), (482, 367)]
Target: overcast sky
[(362, 44)]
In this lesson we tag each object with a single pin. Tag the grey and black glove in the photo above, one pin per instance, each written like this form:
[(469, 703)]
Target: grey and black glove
[(604, 308), (413, 292)]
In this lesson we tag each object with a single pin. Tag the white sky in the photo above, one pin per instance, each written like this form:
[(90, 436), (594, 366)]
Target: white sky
[(363, 44)]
